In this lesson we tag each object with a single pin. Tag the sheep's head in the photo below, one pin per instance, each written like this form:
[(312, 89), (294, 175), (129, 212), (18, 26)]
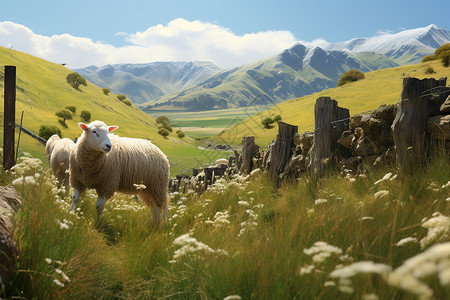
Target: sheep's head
[(97, 135)]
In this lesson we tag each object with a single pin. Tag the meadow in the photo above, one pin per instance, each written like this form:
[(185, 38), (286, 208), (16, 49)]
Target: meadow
[(378, 236)]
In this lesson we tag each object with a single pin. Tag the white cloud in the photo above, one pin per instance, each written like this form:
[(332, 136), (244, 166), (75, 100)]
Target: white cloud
[(179, 40)]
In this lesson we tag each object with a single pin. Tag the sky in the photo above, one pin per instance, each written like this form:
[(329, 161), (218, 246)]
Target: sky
[(81, 33)]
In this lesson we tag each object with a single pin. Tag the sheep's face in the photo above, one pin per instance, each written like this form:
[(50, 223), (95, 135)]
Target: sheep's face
[(97, 136)]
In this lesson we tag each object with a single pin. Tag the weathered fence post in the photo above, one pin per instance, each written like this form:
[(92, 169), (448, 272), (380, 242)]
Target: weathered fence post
[(248, 149), (408, 128), (9, 117), (281, 151), (330, 121)]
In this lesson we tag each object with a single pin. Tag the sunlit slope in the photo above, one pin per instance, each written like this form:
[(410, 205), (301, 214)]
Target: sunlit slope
[(42, 90), (379, 87)]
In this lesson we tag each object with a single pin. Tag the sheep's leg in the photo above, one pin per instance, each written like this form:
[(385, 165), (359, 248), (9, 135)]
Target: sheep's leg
[(99, 206), (75, 199)]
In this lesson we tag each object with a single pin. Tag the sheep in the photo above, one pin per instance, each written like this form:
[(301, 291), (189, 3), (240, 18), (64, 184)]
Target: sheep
[(221, 161), (109, 163), (58, 152)]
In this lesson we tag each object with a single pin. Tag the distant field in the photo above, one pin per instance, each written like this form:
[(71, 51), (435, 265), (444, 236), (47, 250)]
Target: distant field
[(203, 124)]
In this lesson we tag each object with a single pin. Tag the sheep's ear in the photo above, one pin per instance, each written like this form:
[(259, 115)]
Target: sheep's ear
[(83, 126), (112, 128)]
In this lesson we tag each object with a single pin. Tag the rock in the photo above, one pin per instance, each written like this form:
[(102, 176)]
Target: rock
[(346, 139), (445, 107), (351, 163), (386, 113), (295, 166), (355, 122), (439, 127), (9, 204), (366, 146), (305, 141), (359, 132)]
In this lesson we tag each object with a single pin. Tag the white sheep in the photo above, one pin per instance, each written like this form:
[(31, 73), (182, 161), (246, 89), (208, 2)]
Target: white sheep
[(221, 161), (109, 163), (58, 152)]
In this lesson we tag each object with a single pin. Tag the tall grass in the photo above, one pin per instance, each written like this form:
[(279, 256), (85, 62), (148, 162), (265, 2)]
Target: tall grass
[(242, 237)]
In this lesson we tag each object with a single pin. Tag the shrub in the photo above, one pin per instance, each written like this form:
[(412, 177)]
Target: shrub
[(106, 91), (276, 118), (164, 132), (164, 122), (266, 122), (64, 114), (445, 58), (127, 102), (73, 109), (429, 58), (46, 131), (75, 80), (429, 70), (121, 97), (180, 134), (441, 49), (85, 116), (350, 76)]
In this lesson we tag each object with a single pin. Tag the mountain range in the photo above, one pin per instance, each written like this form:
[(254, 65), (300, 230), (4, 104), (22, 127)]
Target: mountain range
[(303, 69)]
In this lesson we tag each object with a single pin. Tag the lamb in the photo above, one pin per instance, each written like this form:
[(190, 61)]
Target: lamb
[(109, 163), (58, 152)]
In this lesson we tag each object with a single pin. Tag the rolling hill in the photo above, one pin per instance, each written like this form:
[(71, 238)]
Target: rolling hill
[(302, 70), (42, 90), (379, 87)]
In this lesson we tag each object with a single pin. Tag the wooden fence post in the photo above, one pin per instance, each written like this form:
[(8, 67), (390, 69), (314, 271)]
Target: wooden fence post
[(281, 151), (248, 149), (9, 122), (328, 128), (408, 128)]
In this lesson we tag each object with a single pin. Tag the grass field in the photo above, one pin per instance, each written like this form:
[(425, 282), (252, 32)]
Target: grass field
[(334, 238), (378, 88)]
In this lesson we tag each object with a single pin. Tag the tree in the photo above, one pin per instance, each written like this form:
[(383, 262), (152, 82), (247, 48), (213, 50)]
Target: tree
[(350, 76), (73, 109), (180, 133), (164, 122), (64, 114), (164, 132), (276, 118), (445, 58), (266, 122), (121, 97), (441, 49), (75, 80), (46, 131), (85, 116), (106, 91)]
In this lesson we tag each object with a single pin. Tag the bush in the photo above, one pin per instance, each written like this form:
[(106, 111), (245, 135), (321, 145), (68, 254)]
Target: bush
[(164, 122), (441, 49), (276, 118), (85, 116), (73, 109), (350, 76), (266, 122), (180, 134), (46, 131), (106, 91), (75, 80), (64, 114), (121, 97), (430, 70), (127, 102), (445, 58), (164, 132), (429, 58)]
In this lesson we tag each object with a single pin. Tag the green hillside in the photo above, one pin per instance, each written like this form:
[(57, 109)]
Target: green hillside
[(42, 90), (379, 87)]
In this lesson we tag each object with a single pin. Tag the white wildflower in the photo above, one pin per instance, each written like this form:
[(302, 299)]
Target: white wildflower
[(346, 289), (381, 194), (361, 267), (405, 241), (243, 203), (386, 177), (232, 297), (321, 251), (329, 283), (48, 260), (189, 246), (306, 270), (59, 283), (438, 230), (366, 218), (446, 185), (140, 186), (320, 201)]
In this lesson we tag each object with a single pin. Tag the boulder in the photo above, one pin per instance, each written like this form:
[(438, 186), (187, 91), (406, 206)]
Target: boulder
[(355, 122), (445, 107), (295, 166), (351, 164), (9, 204), (346, 139), (439, 127)]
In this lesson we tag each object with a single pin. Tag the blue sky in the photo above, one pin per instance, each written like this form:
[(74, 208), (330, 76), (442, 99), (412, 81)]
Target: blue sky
[(199, 29)]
